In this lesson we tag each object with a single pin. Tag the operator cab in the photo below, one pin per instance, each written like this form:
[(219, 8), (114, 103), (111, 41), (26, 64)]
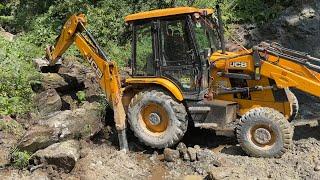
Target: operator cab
[(174, 44)]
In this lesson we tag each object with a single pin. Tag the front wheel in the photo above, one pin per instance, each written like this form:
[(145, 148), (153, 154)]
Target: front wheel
[(157, 119), (264, 132)]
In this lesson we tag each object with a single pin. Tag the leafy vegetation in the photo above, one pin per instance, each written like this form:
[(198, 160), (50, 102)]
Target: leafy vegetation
[(16, 74), (37, 23), (81, 95), (20, 159)]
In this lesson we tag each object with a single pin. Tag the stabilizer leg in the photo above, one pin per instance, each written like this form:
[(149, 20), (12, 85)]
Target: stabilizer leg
[(120, 121), (123, 142)]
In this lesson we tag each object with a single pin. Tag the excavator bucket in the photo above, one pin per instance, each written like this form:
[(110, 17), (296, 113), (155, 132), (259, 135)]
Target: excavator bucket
[(44, 65)]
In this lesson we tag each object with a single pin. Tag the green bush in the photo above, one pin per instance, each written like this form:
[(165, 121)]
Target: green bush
[(81, 95), (16, 75), (39, 23), (20, 159)]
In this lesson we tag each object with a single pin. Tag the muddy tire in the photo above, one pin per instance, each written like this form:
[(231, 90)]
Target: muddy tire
[(264, 132), (156, 119), (294, 105)]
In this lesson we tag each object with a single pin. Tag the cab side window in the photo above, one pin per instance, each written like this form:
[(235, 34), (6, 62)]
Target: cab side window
[(175, 42), (144, 56)]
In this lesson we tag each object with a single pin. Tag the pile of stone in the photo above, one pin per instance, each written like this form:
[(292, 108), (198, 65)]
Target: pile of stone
[(62, 118), (189, 154)]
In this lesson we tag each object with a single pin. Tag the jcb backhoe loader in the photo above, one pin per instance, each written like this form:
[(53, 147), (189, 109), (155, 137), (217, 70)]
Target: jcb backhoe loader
[(180, 78)]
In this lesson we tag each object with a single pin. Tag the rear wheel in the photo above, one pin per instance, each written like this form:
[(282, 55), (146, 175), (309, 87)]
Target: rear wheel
[(264, 132), (156, 119)]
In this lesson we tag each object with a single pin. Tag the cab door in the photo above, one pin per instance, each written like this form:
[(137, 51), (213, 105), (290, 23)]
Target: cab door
[(179, 61), (144, 50)]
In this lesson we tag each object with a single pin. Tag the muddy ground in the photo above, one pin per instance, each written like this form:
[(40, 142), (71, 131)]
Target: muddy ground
[(100, 159)]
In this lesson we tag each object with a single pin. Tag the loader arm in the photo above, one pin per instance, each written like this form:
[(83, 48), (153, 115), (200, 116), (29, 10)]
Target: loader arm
[(106, 70)]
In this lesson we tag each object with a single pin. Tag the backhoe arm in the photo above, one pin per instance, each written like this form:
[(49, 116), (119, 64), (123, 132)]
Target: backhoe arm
[(288, 68), (105, 69)]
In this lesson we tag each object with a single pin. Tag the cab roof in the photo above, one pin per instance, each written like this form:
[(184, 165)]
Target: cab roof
[(166, 12)]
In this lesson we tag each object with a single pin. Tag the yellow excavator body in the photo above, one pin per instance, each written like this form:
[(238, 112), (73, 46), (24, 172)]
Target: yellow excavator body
[(181, 73)]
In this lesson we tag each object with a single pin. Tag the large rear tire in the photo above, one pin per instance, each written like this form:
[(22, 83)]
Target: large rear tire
[(156, 119), (264, 132)]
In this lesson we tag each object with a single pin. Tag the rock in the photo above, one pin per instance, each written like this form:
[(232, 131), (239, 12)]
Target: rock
[(171, 155), (197, 147), (216, 162), (6, 35), (192, 152), (82, 123), (48, 102), (68, 76), (224, 172), (182, 148), (53, 81), (68, 103), (63, 155), (216, 175), (92, 88), (74, 73), (10, 127), (73, 69), (39, 63), (4, 156), (154, 156), (308, 12), (292, 20), (38, 137), (317, 167), (193, 177), (204, 154)]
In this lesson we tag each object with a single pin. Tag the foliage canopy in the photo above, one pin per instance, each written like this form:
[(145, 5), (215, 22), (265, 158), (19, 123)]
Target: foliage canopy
[(38, 23)]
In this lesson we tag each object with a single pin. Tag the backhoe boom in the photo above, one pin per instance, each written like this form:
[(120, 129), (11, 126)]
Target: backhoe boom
[(288, 68), (105, 69)]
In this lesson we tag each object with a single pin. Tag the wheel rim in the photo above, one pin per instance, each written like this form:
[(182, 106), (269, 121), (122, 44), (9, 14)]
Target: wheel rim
[(263, 136), (154, 118)]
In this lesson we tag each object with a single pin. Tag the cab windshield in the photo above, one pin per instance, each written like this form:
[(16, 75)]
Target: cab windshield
[(206, 33)]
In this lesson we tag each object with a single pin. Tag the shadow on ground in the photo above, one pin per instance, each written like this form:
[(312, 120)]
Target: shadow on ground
[(305, 132)]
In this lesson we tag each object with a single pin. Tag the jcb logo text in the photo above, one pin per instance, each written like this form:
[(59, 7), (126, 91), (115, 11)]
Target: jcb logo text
[(238, 64)]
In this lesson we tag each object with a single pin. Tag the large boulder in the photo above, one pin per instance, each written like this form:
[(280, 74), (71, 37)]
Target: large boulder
[(54, 81), (38, 137), (66, 77), (73, 71), (6, 35), (40, 63), (63, 155), (48, 102), (84, 77), (83, 123)]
